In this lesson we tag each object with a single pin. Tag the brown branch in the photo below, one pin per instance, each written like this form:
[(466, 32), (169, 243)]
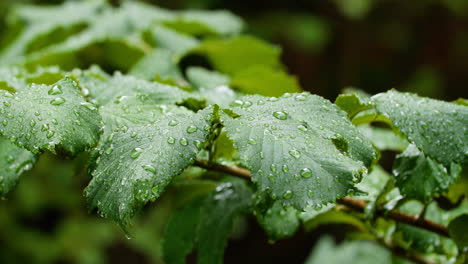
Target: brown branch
[(349, 202)]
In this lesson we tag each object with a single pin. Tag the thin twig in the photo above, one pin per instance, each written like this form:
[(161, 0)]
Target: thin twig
[(349, 202)]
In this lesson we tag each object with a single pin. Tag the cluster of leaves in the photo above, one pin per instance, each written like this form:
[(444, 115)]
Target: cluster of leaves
[(184, 99)]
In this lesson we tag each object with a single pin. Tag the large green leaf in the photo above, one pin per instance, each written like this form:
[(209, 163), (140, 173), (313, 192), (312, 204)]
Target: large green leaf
[(137, 163), (49, 117), (206, 223), (439, 129), (420, 177), (301, 149), (13, 161)]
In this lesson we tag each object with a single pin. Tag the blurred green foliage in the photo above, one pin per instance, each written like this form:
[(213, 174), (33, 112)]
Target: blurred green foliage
[(418, 46)]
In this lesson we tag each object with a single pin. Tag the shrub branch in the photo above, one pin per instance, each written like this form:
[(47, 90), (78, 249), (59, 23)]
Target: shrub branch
[(352, 203)]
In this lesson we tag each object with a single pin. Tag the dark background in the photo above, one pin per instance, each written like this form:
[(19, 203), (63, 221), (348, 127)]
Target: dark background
[(374, 45)]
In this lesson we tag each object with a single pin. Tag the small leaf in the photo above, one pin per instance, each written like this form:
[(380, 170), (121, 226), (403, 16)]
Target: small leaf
[(420, 177)]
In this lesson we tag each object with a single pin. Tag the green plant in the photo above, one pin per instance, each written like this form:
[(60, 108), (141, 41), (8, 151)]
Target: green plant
[(211, 118)]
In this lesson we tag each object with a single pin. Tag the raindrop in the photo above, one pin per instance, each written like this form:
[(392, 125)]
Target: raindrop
[(280, 115), (288, 194), (191, 129), (300, 97), (55, 90), (170, 140), (173, 122), (302, 127), (306, 173), (295, 153), (149, 168), (183, 141), (57, 101), (50, 134), (136, 152), (252, 141)]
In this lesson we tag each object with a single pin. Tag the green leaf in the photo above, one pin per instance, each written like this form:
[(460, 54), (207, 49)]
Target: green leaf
[(264, 80), (181, 232), (417, 238), (13, 161), (236, 54), (359, 252), (10, 80), (44, 26), (353, 103), (334, 217), (160, 64), (384, 139), (102, 91), (212, 85), (206, 223), (278, 222), (176, 42), (437, 128), (301, 149), (50, 118), (137, 163), (199, 22), (458, 230), (373, 184), (420, 177), (227, 202)]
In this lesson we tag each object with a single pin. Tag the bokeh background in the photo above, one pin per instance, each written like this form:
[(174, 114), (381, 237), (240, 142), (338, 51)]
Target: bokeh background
[(419, 46)]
